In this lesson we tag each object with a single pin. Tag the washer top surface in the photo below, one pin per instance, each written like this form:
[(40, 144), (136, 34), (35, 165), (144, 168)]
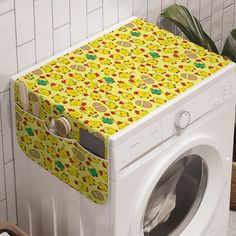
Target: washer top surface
[(113, 81)]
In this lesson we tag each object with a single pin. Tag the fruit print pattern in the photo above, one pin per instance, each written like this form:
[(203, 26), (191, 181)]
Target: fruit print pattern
[(115, 80), (63, 158), (103, 87)]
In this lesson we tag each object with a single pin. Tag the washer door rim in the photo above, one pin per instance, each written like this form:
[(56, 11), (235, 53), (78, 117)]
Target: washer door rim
[(199, 145)]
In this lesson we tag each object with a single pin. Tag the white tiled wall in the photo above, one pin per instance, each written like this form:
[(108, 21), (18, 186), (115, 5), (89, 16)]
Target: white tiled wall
[(32, 30)]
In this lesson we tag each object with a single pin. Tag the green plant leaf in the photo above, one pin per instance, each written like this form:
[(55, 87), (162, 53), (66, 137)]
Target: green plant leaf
[(190, 26), (229, 49)]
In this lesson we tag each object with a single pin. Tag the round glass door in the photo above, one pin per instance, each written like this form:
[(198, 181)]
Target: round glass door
[(176, 197)]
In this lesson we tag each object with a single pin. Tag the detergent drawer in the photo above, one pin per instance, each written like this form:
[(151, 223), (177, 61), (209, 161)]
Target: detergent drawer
[(64, 158), (136, 146)]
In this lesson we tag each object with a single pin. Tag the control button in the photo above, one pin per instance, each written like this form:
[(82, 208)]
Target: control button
[(62, 126), (182, 119)]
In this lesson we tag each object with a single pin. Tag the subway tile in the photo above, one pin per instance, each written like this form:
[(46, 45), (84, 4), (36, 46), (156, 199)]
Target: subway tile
[(234, 15), (110, 12), (228, 3), (154, 9), (24, 21), (182, 2), (206, 25), (8, 60), (62, 38), (78, 20), (3, 210), (43, 29), (94, 22), (93, 5), (125, 9), (216, 19), (193, 7), (61, 13), (228, 22), (205, 9), (2, 178), (219, 45), (10, 192), (5, 105), (6, 5), (26, 55), (167, 3), (140, 8)]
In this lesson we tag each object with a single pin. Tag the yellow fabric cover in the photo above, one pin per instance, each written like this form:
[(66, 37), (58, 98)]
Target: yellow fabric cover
[(103, 87), (113, 81)]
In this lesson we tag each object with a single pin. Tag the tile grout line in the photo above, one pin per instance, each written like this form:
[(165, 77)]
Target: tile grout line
[(17, 62), (103, 14), (95, 9), (70, 22), (86, 18), (118, 11), (35, 43), (20, 45), (6, 12), (53, 43), (67, 23), (3, 166)]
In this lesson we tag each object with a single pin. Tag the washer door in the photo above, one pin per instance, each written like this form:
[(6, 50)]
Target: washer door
[(176, 197), (180, 188)]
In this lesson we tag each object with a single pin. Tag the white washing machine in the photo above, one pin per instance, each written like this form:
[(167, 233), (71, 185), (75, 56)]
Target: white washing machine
[(169, 174)]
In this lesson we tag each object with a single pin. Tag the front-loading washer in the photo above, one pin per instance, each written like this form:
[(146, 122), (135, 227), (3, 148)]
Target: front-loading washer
[(141, 154), (189, 175)]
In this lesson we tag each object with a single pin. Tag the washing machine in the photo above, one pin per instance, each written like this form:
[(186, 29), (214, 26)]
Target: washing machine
[(129, 133)]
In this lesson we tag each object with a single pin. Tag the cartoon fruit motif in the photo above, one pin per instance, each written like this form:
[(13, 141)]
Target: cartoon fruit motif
[(129, 25), (59, 165), (85, 47), (144, 104), (78, 154), (107, 120), (34, 153), (190, 54), (91, 57), (124, 44), (135, 33), (93, 172), (200, 65), (97, 195), (42, 82), (147, 79), (59, 108), (78, 68), (188, 76), (109, 80), (30, 131), (154, 54), (33, 97), (18, 117), (72, 171), (37, 72), (156, 91), (99, 107)]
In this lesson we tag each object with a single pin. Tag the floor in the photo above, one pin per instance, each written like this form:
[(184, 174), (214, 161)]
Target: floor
[(232, 224)]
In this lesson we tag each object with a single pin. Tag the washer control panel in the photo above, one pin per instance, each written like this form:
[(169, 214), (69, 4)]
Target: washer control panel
[(182, 119)]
